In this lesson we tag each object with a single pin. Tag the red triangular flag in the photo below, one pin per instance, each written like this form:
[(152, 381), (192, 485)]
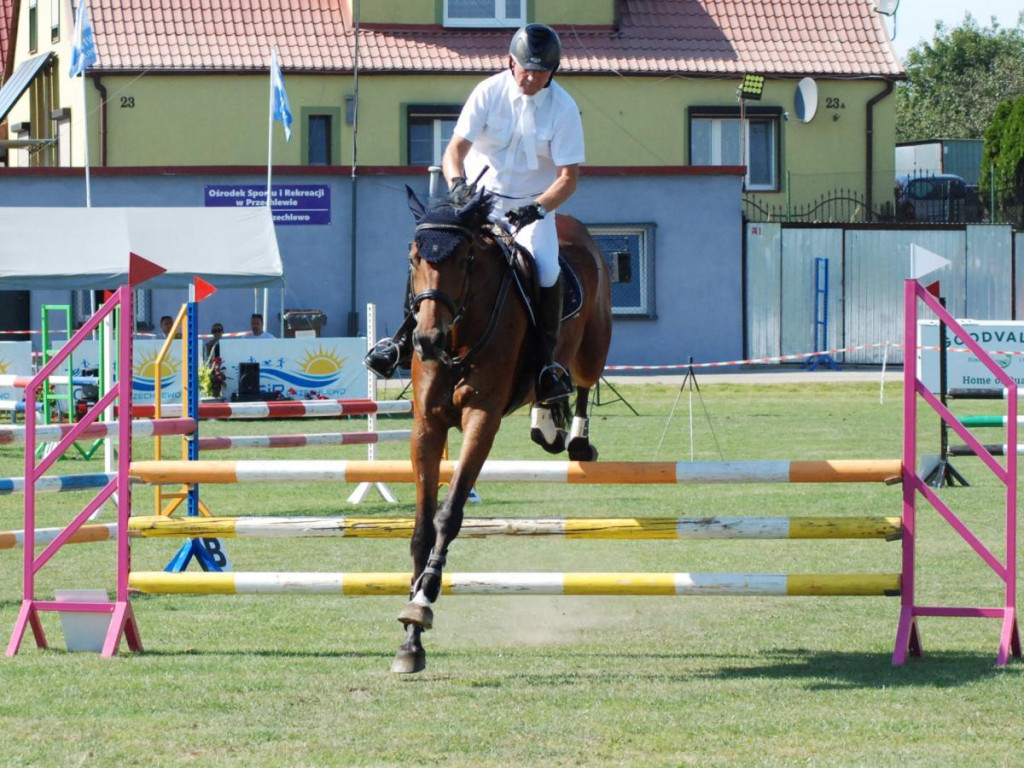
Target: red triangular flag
[(140, 270), (933, 289), (203, 289), (106, 296)]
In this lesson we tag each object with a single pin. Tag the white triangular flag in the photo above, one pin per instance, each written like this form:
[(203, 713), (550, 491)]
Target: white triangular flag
[(923, 261)]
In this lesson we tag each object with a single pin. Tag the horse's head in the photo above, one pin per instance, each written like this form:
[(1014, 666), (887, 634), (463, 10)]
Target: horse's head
[(441, 261)]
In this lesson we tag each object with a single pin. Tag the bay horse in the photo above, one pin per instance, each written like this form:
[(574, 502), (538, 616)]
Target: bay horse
[(475, 361)]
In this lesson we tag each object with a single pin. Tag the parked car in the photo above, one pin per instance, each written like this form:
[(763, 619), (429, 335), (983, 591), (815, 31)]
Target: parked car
[(936, 198)]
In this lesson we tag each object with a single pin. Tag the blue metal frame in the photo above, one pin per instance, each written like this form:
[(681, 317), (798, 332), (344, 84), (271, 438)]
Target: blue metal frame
[(819, 338)]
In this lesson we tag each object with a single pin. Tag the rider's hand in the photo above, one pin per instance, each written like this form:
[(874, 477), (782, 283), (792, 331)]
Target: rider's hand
[(527, 214), (460, 192)]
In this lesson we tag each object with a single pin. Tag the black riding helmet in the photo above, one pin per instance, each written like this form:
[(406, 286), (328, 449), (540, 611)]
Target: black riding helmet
[(537, 47)]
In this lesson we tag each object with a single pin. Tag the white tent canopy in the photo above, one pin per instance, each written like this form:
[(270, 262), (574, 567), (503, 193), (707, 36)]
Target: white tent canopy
[(88, 248)]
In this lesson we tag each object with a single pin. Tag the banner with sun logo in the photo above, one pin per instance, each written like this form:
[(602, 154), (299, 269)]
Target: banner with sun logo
[(15, 360), (300, 369), (144, 373)]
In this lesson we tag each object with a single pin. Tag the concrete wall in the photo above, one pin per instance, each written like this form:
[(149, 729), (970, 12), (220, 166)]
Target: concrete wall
[(696, 250)]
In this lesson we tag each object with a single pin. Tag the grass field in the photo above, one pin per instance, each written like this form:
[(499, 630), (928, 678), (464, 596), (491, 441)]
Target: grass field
[(537, 681)]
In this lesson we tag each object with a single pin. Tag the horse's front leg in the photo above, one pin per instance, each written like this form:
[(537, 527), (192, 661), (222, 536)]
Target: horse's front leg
[(427, 449), (479, 428)]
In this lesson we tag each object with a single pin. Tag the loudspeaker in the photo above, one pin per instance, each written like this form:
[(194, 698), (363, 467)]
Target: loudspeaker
[(248, 380)]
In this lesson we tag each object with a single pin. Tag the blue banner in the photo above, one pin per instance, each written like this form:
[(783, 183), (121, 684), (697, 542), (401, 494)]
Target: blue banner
[(295, 204)]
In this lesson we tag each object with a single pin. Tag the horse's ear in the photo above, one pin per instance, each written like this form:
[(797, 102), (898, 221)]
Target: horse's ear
[(480, 201), (418, 211)]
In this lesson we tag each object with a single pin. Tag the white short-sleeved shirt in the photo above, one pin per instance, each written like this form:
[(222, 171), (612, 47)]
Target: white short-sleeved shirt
[(492, 121)]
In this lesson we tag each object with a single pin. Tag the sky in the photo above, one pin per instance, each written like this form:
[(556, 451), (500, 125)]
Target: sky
[(915, 19)]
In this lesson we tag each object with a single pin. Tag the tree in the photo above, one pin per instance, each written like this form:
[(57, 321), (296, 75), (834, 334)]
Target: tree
[(1002, 161), (955, 82)]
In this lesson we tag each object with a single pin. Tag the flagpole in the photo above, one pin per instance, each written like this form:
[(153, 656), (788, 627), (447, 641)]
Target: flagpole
[(270, 123), (85, 127)]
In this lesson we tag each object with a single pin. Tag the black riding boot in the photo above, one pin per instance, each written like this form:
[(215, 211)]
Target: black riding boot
[(388, 355), (554, 382)]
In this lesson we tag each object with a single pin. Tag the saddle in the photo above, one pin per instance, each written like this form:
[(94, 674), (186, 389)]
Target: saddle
[(524, 277)]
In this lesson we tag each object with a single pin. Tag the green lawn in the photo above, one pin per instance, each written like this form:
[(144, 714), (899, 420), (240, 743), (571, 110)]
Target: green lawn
[(537, 681)]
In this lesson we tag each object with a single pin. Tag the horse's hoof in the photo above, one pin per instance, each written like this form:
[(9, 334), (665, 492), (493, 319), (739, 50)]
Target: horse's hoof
[(581, 450), (409, 662), (557, 446), (421, 616)]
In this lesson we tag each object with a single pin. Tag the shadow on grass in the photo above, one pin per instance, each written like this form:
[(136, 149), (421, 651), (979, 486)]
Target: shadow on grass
[(834, 671)]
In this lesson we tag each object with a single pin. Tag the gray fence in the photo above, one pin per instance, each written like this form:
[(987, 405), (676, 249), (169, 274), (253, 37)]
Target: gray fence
[(867, 266)]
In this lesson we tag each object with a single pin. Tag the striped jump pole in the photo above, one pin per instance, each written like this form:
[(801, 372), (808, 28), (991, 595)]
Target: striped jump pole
[(20, 382), (720, 527), (18, 406), (281, 409), (58, 483), (976, 394), (85, 534), (993, 449), (295, 441), (51, 433), (638, 584), (623, 472), (987, 421)]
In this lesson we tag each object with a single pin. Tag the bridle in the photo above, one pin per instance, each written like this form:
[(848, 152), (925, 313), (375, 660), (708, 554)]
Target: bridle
[(440, 296), (458, 364)]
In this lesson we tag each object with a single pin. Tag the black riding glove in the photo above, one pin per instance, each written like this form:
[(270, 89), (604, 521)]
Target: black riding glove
[(521, 217), (460, 192)]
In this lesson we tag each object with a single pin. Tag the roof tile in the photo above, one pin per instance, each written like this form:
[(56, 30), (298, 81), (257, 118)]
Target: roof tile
[(716, 37), (6, 33)]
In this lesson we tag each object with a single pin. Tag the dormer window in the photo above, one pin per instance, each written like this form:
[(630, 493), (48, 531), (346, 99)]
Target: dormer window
[(484, 13)]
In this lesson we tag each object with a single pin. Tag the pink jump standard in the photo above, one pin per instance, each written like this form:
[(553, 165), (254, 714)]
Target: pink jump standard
[(122, 619), (907, 637)]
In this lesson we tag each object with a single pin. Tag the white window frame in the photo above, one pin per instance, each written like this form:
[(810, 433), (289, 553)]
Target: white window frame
[(717, 119), (643, 273), (437, 114), (497, 19)]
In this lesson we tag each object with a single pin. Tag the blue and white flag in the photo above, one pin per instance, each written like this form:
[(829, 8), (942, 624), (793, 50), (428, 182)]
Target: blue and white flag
[(279, 107), (83, 45)]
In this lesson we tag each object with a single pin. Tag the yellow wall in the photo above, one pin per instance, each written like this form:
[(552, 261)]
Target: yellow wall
[(396, 11), (635, 121), (584, 12)]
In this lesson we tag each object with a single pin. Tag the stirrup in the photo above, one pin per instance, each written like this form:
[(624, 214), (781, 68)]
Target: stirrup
[(554, 383), (384, 358)]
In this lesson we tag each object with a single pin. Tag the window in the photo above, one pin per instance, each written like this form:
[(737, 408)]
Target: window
[(55, 20), (715, 140), (429, 129), (33, 26), (319, 145), (629, 251), (321, 135), (484, 13)]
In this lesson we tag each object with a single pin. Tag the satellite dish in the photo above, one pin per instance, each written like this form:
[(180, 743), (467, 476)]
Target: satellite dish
[(888, 7), (805, 103)]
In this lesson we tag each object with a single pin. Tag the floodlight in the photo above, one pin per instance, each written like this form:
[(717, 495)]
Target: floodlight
[(752, 87)]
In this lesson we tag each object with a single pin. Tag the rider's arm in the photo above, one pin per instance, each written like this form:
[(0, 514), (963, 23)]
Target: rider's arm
[(562, 188), (453, 163)]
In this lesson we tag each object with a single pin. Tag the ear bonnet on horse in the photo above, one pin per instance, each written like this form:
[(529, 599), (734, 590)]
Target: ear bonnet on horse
[(441, 228)]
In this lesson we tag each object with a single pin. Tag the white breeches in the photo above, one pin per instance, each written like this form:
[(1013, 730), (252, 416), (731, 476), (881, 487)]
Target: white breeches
[(540, 239)]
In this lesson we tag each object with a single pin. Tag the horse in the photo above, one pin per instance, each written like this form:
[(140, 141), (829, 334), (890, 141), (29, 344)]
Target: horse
[(475, 361)]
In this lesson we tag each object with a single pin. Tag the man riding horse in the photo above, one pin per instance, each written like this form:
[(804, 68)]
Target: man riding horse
[(520, 135)]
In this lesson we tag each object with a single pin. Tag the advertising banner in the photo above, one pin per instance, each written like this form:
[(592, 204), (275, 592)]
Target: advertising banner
[(1004, 339), (15, 360), (299, 369)]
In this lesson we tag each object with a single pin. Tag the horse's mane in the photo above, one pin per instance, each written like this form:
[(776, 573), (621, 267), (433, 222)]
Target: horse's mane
[(443, 226)]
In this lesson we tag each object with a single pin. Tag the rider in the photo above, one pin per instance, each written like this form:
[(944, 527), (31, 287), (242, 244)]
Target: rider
[(523, 132)]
